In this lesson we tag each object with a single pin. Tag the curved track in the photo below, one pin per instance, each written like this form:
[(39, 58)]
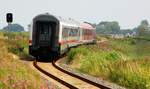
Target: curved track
[(66, 72), (76, 76), (53, 77)]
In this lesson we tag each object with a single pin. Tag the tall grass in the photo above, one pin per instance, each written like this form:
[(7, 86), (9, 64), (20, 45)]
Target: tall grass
[(121, 64), (17, 42), (13, 73)]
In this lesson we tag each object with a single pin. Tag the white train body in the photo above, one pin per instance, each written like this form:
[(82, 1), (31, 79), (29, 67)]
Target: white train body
[(52, 35)]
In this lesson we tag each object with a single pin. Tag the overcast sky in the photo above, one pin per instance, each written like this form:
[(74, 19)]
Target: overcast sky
[(128, 13)]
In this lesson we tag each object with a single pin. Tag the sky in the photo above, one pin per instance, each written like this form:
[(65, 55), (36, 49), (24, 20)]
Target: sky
[(128, 13)]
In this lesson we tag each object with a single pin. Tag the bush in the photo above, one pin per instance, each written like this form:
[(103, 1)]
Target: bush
[(73, 53), (133, 42), (18, 44)]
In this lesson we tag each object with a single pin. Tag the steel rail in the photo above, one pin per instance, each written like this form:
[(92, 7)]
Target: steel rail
[(53, 77), (76, 76)]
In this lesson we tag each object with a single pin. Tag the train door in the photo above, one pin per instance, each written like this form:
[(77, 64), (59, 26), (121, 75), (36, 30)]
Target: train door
[(44, 34)]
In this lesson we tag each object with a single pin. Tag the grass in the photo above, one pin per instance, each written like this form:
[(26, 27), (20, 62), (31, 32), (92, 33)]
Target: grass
[(122, 61), (14, 74), (17, 42)]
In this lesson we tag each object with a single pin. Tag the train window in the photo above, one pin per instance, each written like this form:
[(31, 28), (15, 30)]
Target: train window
[(44, 29), (69, 31), (84, 31), (87, 32), (73, 32), (65, 32)]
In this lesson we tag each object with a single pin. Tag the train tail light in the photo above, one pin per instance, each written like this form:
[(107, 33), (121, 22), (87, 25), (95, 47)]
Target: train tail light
[(30, 42), (59, 42)]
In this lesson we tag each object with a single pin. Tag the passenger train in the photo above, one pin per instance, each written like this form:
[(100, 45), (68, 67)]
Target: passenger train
[(53, 35)]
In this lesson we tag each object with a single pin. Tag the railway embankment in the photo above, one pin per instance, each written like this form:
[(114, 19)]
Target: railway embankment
[(14, 74), (121, 61)]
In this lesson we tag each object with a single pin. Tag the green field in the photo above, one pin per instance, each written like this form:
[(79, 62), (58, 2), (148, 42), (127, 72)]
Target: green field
[(122, 61)]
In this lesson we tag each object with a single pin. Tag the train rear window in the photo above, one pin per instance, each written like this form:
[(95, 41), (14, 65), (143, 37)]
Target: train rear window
[(44, 29)]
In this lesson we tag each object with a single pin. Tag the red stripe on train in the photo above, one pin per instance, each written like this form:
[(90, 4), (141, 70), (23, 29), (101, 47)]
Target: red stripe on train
[(69, 41)]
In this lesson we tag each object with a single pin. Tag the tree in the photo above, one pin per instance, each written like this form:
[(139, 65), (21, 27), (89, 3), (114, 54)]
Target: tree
[(144, 23), (14, 28), (143, 28), (105, 27)]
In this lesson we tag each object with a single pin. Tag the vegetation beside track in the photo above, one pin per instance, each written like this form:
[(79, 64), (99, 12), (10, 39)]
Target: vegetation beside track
[(122, 61), (14, 74)]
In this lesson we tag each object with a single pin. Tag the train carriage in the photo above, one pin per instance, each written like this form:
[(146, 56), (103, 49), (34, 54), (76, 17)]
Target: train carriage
[(88, 33), (44, 35), (69, 35), (52, 35)]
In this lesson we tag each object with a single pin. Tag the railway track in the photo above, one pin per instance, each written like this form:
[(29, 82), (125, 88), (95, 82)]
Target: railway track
[(53, 77), (68, 73)]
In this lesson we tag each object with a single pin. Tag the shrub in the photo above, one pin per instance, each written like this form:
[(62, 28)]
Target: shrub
[(74, 52)]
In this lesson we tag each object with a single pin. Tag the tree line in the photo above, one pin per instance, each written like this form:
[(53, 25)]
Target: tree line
[(106, 27)]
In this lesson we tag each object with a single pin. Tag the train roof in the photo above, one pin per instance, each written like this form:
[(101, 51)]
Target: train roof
[(68, 21), (87, 26), (62, 20)]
